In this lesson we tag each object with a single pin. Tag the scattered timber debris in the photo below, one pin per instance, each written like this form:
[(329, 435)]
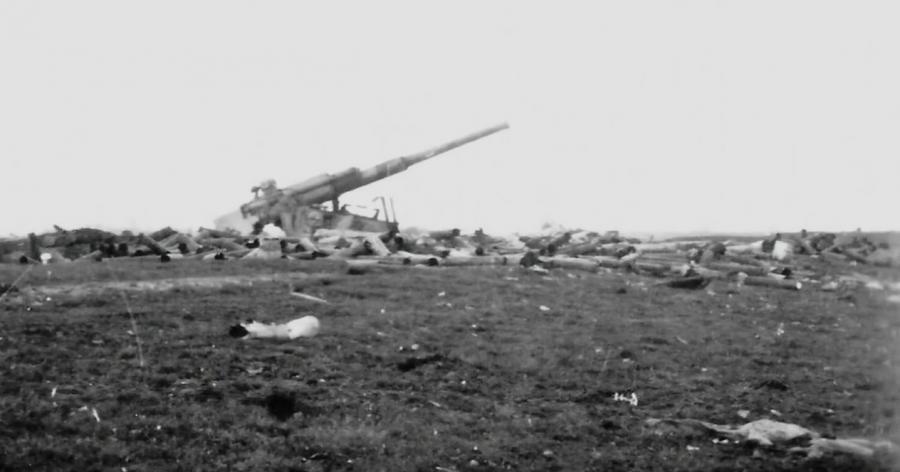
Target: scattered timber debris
[(785, 261)]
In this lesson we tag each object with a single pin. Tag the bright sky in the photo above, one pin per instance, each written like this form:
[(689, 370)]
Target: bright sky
[(637, 116)]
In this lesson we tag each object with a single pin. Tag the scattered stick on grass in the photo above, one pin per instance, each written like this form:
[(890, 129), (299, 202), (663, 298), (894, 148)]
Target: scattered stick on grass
[(134, 326), (12, 285), (309, 297)]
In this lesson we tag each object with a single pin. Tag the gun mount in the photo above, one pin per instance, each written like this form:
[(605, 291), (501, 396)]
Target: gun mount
[(296, 208)]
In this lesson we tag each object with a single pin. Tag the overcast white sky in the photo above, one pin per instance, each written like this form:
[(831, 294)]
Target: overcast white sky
[(637, 116)]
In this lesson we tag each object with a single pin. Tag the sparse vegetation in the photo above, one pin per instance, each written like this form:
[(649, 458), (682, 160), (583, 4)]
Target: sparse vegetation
[(499, 385)]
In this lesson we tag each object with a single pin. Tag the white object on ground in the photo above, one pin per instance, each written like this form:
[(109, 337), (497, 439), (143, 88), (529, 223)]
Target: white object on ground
[(305, 327)]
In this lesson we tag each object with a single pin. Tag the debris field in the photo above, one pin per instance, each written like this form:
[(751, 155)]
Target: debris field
[(569, 350)]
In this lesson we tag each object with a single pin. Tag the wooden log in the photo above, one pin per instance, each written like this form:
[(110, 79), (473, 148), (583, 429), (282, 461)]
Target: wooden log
[(335, 234), (415, 259), (745, 260), (709, 273), (747, 248), (556, 243), (669, 246), (375, 246), (392, 260), (177, 240), (832, 257), (263, 253), (651, 267), (302, 256), (579, 249), (473, 261), (161, 234), (610, 262), (206, 233), (664, 258), (770, 282), (732, 268), (854, 255), (153, 245), (222, 243), (588, 265)]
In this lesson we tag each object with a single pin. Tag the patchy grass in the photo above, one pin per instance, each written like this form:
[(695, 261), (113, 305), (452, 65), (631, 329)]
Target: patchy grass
[(499, 383)]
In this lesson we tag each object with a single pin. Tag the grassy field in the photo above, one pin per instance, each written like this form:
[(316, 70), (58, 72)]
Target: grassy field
[(438, 369)]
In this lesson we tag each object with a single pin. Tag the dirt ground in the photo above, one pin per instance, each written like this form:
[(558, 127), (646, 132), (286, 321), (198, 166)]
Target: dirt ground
[(431, 369)]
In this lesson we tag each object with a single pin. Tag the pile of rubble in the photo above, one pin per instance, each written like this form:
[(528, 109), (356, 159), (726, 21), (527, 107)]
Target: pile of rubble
[(783, 261)]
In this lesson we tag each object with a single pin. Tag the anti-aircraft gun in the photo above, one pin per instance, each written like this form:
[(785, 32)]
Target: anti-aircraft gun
[(298, 209)]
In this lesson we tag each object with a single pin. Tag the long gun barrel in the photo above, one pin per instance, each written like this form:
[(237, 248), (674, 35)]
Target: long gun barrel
[(326, 187)]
